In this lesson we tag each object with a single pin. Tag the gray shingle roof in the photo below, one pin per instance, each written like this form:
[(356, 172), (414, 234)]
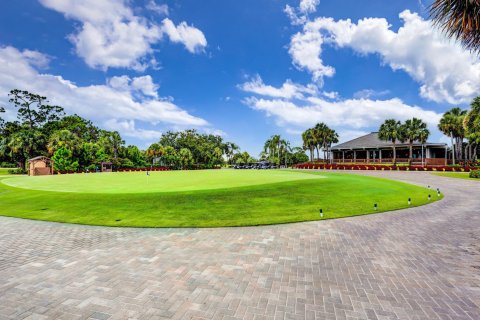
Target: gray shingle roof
[(371, 140)]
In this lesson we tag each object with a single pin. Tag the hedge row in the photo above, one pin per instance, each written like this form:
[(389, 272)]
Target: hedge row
[(379, 167)]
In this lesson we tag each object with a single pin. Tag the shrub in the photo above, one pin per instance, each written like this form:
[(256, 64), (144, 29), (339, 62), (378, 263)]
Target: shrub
[(7, 165), (475, 174), (17, 171)]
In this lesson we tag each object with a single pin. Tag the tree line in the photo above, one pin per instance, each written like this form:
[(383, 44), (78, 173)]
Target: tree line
[(75, 143)]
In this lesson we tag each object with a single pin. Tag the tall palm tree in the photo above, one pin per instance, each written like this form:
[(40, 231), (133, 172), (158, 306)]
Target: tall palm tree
[(423, 135), (309, 142), (412, 129), (459, 19), (451, 124), (320, 133), (331, 137), (391, 130), (471, 124)]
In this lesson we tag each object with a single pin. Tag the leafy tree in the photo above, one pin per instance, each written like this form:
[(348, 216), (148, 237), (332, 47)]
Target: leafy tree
[(32, 108), (63, 160), (185, 158), (391, 130), (62, 139), (414, 129), (111, 142), (170, 157), (2, 122)]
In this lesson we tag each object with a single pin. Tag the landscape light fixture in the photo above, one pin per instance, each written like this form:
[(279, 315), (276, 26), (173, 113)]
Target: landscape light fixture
[(409, 201), (375, 206), (321, 213), (429, 197)]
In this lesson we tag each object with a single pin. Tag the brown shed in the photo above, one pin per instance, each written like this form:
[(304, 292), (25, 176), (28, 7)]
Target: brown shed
[(106, 167), (40, 166)]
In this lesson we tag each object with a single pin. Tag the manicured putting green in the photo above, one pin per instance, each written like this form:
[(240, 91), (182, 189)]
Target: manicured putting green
[(156, 181), (214, 198)]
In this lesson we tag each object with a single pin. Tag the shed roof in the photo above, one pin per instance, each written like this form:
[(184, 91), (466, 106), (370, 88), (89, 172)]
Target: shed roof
[(372, 141), (40, 158)]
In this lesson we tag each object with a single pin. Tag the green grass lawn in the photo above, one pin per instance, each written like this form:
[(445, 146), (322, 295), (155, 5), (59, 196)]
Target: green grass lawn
[(459, 175), (4, 171), (274, 196), (157, 181)]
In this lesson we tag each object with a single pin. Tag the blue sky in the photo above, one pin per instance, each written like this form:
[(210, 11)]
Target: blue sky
[(244, 69)]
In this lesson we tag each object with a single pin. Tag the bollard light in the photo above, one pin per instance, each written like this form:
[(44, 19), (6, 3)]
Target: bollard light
[(375, 206), (409, 201), (321, 213), (429, 197)]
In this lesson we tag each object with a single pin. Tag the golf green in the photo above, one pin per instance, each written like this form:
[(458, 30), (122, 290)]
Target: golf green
[(211, 198), (155, 181)]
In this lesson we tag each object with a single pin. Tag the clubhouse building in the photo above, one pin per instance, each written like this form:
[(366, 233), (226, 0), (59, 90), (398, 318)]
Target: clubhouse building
[(370, 149)]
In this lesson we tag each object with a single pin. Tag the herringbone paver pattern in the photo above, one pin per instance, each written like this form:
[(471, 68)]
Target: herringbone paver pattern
[(420, 263)]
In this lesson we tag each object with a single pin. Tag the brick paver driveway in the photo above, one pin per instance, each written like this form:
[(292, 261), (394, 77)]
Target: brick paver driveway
[(420, 263)]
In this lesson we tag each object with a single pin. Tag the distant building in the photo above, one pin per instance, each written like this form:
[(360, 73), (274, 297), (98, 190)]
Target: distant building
[(370, 149), (40, 166)]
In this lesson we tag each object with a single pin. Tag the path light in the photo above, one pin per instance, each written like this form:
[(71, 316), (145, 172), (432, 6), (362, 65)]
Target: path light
[(375, 206), (428, 187), (429, 197), (438, 192), (321, 213), (409, 201)]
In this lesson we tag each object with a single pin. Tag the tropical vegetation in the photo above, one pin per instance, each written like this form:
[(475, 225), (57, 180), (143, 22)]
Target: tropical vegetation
[(459, 19), (320, 137)]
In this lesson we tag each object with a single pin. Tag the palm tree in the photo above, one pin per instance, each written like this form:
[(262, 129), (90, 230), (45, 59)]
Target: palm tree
[(62, 138), (331, 137), (471, 124), (459, 19), (422, 137), (320, 133), (309, 142), (451, 124), (391, 130), (272, 146), (412, 130)]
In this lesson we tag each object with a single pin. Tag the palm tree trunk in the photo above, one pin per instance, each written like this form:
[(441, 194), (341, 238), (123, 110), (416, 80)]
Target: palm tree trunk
[(410, 156), (394, 154), (453, 149)]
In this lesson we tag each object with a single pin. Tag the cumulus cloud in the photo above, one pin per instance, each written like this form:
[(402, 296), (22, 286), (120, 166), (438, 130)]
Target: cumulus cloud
[(288, 90), (118, 102), (128, 129), (445, 71), (192, 38), (308, 6), (111, 35), (351, 113)]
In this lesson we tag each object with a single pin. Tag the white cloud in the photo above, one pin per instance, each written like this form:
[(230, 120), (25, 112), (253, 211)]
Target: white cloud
[(352, 113), (128, 129), (445, 71), (306, 50), (192, 38), (161, 9), (111, 35), (369, 93), (288, 90), (308, 6), (121, 99)]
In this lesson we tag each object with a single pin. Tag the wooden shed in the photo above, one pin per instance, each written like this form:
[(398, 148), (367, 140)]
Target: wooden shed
[(106, 167), (40, 166)]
